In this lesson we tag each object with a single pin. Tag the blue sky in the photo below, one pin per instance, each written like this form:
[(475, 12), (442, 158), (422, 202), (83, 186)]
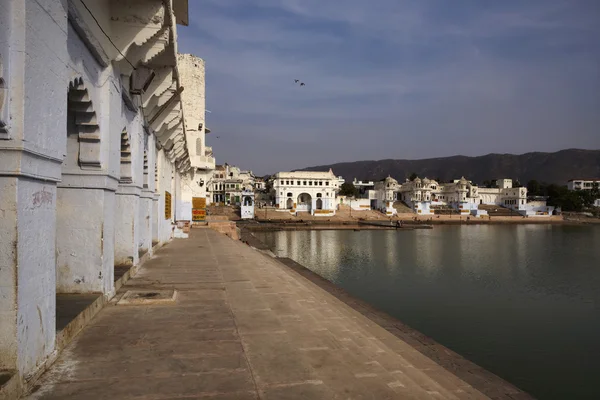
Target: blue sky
[(395, 79)]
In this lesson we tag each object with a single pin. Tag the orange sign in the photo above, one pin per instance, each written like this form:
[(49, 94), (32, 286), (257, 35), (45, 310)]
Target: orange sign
[(198, 202), (167, 205), (198, 215)]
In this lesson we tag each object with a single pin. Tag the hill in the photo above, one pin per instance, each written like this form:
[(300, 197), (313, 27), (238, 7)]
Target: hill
[(556, 167)]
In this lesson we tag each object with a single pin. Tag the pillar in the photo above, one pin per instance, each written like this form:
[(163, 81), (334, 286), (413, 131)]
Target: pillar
[(27, 279), (146, 221), (32, 125), (127, 202), (155, 220), (85, 234)]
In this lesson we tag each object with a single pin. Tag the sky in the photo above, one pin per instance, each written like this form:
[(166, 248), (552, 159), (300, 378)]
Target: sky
[(402, 79)]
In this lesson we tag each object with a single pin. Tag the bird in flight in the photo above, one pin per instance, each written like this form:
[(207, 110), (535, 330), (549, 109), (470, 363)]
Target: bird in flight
[(302, 84), (296, 80)]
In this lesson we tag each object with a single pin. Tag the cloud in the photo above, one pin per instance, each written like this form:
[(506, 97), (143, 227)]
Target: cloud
[(395, 79)]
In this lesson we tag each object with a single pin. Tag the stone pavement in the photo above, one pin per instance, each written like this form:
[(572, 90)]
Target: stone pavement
[(244, 326)]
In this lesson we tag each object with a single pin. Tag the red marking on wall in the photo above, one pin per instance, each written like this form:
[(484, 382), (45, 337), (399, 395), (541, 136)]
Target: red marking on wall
[(42, 197)]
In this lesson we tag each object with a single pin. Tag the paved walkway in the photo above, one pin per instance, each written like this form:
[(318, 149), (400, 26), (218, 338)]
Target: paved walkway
[(244, 327)]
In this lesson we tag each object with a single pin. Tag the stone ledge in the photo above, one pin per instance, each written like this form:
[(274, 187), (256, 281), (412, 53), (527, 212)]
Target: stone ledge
[(86, 180), (29, 163), (129, 190), (479, 378), (18, 388), (9, 384)]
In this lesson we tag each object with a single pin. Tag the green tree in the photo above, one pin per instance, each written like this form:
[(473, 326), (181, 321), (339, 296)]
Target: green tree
[(413, 176), (534, 188), (348, 189), (488, 183)]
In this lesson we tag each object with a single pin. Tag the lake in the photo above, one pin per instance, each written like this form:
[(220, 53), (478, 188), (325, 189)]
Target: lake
[(522, 301)]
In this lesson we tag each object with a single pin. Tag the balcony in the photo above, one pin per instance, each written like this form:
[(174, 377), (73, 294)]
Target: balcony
[(208, 151), (203, 162)]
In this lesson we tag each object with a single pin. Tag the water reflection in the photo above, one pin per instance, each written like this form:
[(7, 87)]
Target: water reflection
[(522, 301)]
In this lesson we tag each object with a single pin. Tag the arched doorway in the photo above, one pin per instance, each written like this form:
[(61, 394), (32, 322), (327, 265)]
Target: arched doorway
[(248, 201), (304, 202), (290, 204), (319, 204)]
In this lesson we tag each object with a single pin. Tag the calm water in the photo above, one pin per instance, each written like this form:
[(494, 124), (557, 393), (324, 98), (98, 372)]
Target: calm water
[(521, 301)]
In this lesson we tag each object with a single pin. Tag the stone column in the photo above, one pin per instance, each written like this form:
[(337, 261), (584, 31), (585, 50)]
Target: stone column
[(155, 220), (146, 221), (127, 202), (85, 233), (27, 272), (32, 124)]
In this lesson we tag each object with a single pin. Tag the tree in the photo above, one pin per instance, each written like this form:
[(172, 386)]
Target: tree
[(348, 189), (534, 188), (413, 176)]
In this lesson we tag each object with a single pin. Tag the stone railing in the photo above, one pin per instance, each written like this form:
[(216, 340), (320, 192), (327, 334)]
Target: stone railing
[(203, 162)]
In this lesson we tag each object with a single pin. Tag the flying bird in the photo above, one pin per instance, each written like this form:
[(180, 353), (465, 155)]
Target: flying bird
[(296, 80), (302, 84)]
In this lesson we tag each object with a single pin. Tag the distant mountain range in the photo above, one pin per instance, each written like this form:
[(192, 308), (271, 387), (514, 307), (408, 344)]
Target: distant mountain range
[(556, 167)]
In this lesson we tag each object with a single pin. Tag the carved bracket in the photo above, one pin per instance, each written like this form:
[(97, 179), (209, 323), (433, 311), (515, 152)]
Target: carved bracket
[(126, 171), (81, 105), (3, 104)]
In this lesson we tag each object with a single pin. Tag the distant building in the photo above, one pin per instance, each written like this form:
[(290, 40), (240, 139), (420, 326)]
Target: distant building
[(425, 196), (582, 184), (227, 184), (259, 184), (363, 187), (386, 193), (247, 206), (306, 191)]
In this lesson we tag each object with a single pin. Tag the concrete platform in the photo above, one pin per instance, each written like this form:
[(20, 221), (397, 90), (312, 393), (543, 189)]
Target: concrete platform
[(244, 326), (69, 306)]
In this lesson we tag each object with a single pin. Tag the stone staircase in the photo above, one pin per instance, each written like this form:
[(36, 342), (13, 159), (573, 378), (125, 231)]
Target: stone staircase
[(402, 208), (498, 211), (444, 210)]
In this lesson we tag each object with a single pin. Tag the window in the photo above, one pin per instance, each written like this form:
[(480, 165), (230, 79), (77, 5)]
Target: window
[(320, 183), (327, 183), (304, 183), (319, 195), (289, 194), (287, 182), (298, 183), (309, 183)]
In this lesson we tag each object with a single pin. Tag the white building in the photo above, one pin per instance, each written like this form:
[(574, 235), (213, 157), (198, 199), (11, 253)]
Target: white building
[(227, 184), (193, 98), (583, 184), (363, 187), (425, 195), (259, 184), (94, 150), (247, 206), (306, 191), (386, 193)]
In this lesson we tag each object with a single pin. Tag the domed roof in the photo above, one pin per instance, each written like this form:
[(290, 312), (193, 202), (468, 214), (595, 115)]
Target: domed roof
[(417, 179), (425, 180), (463, 180), (389, 179)]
